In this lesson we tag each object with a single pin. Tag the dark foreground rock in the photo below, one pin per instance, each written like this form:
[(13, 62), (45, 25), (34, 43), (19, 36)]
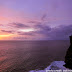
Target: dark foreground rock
[(68, 57)]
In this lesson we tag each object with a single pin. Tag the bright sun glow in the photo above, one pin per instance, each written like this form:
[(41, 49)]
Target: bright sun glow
[(26, 30), (5, 35)]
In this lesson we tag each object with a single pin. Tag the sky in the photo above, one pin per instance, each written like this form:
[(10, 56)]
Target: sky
[(35, 19)]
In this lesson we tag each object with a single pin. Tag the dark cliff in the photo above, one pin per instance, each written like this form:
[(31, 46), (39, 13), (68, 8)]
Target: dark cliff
[(68, 57)]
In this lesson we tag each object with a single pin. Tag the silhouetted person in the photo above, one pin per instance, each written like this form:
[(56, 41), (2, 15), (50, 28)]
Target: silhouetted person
[(68, 57)]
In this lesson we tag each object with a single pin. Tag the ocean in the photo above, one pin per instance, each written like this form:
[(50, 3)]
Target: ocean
[(23, 56)]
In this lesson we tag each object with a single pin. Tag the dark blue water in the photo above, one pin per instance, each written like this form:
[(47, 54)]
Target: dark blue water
[(22, 56)]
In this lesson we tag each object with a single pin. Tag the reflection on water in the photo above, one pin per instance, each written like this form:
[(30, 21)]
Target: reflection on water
[(22, 56)]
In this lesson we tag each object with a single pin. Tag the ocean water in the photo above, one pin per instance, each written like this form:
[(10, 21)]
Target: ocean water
[(23, 56)]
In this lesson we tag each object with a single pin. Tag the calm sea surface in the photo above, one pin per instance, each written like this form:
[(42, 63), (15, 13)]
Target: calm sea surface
[(22, 56)]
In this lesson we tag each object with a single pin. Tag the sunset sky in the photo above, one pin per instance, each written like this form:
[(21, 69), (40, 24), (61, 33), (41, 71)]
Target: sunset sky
[(35, 19)]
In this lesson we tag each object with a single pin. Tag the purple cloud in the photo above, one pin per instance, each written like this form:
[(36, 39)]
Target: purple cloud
[(61, 32), (57, 33), (7, 31), (43, 17), (34, 22), (1, 25), (43, 27), (39, 29), (19, 25)]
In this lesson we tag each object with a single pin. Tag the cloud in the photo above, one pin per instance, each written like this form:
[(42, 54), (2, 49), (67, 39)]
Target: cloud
[(19, 25), (56, 33), (61, 32), (40, 27), (43, 27), (44, 17), (6, 31), (1, 25), (34, 22)]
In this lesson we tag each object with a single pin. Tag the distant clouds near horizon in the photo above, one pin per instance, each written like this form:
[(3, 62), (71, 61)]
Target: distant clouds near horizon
[(35, 19)]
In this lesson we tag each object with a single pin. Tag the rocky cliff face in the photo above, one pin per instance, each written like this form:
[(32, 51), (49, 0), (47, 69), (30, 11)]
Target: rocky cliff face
[(68, 57)]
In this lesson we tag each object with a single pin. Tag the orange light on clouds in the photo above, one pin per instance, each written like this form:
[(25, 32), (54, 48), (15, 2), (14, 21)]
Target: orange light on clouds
[(5, 36)]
